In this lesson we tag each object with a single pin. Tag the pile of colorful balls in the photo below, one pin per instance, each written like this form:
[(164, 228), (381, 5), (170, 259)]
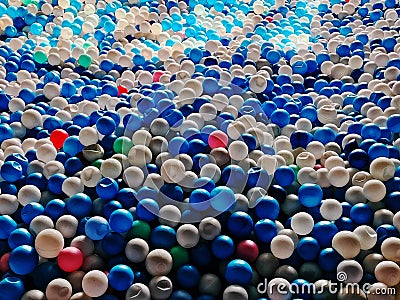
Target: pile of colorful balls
[(199, 149)]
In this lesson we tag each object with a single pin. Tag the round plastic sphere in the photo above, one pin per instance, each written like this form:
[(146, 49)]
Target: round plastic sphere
[(223, 247), (235, 292), (70, 259), (120, 277), (247, 250), (11, 171), (367, 236), (95, 283), (238, 272), (188, 276), (361, 213), (49, 243), (59, 289), (302, 223), (105, 125), (147, 209), (107, 188), (96, 228), (11, 287), (308, 248), (267, 207), (222, 198), (310, 195), (265, 230), (282, 246), (284, 176), (23, 260), (217, 139), (58, 137), (121, 220), (347, 244), (240, 224), (79, 205), (19, 237), (159, 262), (138, 291), (388, 272), (324, 232), (331, 209)]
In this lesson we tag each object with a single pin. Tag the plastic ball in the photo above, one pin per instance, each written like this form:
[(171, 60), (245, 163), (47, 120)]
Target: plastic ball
[(217, 139), (95, 283), (70, 259), (247, 250), (238, 272), (23, 260), (96, 228), (282, 246), (120, 277), (158, 262), (310, 195), (58, 137), (302, 223), (347, 244), (59, 289)]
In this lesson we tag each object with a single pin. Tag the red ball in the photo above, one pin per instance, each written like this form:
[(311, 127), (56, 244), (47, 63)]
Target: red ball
[(269, 19), (4, 267), (70, 259), (217, 139), (317, 167), (247, 250), (58, 137), (157, 75), (122, 90)]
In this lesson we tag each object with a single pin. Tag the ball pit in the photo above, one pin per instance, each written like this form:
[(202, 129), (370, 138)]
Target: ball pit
[(191, 150)]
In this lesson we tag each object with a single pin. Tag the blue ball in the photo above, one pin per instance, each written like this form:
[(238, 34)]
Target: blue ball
[(120, 277), (378, 150), (265, 230), (238, 272), (393, 123), (308, 248), (267, 207), (19, 158), (188, 276), (280, 117), (11, 171), (105, 125), (223, 247), (23, 260), (96, 228), (72, 146), (284, 176), (121, 220), (329, 259), (370, 131), (107, 188), (163, 237), (258, 177), (112, 244), (222, 198), (310, 195), (55, 208), (147, 209), (361, 214), (7, 225), (30, 211), (11, 287), (19, 237), (79, 205), (233, 176), (358, 159), (323, 232), (240, 224), (199, 199)]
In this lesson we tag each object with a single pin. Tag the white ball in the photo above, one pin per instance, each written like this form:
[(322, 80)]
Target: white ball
[(72, 186), (374, 190), (95, 283), (28, 194), (111, 167), (90, 176), (302, 223), (238, 150), (331, 209), (382, 168), (88, 136), (282, 246), (367, 235)]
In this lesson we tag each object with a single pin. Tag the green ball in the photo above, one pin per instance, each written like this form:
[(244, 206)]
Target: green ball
[(180, 256), (85, 60), (140, 229), (40, 57), (122, 145), (97, 163)]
